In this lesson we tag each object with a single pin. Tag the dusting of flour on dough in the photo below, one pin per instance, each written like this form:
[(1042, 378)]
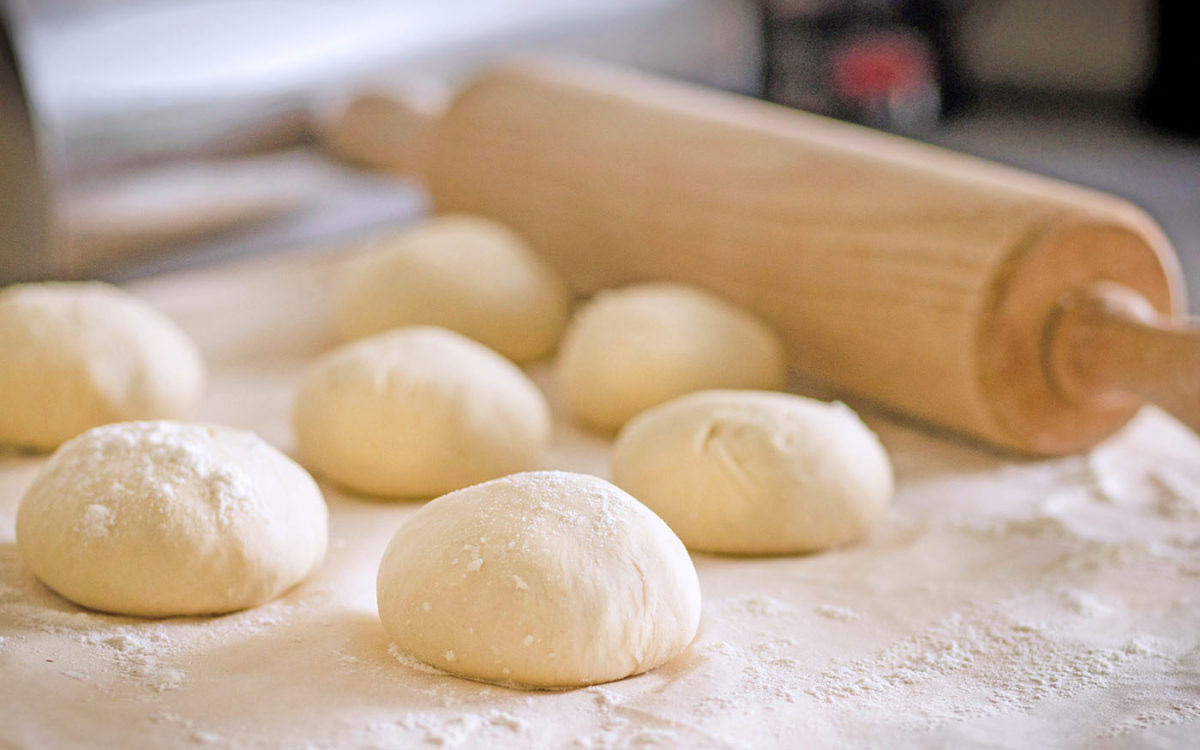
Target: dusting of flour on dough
[(96, 520), (157, 459)]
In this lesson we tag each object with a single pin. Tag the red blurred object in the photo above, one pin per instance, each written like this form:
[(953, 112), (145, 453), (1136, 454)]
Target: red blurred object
[(878, 66)]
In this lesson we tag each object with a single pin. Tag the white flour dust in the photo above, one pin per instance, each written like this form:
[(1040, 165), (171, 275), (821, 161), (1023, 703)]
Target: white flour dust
[(1001, 602)]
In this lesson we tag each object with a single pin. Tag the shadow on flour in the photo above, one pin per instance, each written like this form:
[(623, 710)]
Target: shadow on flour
[(20, 589)]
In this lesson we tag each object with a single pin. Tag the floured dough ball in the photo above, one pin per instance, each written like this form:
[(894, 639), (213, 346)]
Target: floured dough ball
[(466, 273), (754, 473), (77, 355), (163, 518), (629, 349), (546, 579), (416, 412)]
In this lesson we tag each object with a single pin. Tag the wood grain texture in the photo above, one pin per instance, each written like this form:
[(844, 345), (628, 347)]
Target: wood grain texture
[(901, 272), (1109, 347)]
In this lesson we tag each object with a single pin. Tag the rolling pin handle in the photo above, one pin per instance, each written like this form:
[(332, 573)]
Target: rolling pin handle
[(1107, 345), (385, 128)]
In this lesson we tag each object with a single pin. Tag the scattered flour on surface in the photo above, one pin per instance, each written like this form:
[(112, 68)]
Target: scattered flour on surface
[(1178, 496), (1104, 482), (1176, 713), (1046, 602), (605, 698), (201, 737), (456, 730), (1082, 603), (758, 604), (138, 653), (1018, 664), (412, 663), (834, 612)]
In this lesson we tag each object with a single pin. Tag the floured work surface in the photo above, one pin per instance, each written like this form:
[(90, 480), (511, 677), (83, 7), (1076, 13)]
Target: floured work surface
[(999, 602)]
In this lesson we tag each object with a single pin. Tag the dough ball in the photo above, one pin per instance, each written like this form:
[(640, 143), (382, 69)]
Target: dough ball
[(77, 355), (754, 473), (466, 273), (416, 412), (546, 579), (632, 348), (164, 518)]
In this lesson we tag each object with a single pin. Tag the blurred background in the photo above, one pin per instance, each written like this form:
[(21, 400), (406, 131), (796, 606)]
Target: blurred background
[(138, 136)]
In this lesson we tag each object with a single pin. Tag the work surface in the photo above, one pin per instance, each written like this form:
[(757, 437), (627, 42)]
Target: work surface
[(998, 603)]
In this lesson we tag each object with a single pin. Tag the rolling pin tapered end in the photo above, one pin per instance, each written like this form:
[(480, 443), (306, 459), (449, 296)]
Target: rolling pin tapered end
[(384, 128), (1107, 344)]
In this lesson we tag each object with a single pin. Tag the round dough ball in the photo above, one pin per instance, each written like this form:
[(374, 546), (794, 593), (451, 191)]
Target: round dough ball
[(163, 518), (754, 473), (466, 273), (78, 355), (546, 579), (417, 412), (632, 348)]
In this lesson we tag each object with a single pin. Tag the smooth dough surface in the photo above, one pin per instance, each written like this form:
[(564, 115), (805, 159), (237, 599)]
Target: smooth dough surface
[(74, 355), (416, 412), (467, 273), (753, 473), (632, 348), (544, 579), (165, 518)]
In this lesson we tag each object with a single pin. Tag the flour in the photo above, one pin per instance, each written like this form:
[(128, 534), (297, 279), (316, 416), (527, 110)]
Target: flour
[(1020, 664), (201, 737), (143, 652), (605, 698), (140, 654), (1082, 603), (157, 458), (834, 612), (1174, 713), (1178, 496), (459, 729), (412, 663), (756, 605), (96, 520), (1003, 603)]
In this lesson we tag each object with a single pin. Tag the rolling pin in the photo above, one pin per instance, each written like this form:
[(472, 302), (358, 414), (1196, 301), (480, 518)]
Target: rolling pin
[(1026, 312)]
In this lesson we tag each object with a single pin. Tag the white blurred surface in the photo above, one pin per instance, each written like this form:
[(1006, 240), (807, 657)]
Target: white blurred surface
[(98, 70)]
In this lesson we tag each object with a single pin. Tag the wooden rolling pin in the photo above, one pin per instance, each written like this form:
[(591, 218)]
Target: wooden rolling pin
[(1030, 313)]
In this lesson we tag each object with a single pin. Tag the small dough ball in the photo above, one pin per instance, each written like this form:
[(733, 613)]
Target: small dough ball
[(632, 348), (466, 273), (77, 355), (754, 473), (158, 519), (546, 579), (417, 412)]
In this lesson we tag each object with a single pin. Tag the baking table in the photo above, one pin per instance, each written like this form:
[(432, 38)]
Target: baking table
[(999, 603)]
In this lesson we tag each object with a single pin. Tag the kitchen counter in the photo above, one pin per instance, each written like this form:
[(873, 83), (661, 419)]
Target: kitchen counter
[(999, 602)]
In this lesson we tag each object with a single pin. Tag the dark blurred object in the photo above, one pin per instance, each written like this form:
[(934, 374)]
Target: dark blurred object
[(1169, 101), (899, 64), (23, 211), (1081, 48), (869, 61)]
